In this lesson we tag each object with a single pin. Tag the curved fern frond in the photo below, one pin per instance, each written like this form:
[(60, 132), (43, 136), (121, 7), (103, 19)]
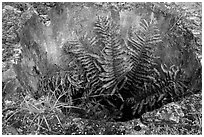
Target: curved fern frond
[(114, 59), (87, 57), (138, 90), (140, 45), (101, 27)]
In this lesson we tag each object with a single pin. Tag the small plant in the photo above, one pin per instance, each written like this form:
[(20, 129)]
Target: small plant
[(39, 112)]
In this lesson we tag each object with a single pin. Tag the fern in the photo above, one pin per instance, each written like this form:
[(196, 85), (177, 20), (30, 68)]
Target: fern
[(140, 47), (86, 57), (114, 57), (138, 89)]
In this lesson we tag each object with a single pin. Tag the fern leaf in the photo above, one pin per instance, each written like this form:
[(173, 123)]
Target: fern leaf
[(113, 61)]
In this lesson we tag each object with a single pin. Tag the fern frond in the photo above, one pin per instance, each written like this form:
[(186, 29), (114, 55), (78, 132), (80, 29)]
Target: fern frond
[(140, 46), (114, 58), (87, 55)]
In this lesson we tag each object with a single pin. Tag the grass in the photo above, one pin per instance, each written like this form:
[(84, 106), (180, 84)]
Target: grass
[(34, 117)]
